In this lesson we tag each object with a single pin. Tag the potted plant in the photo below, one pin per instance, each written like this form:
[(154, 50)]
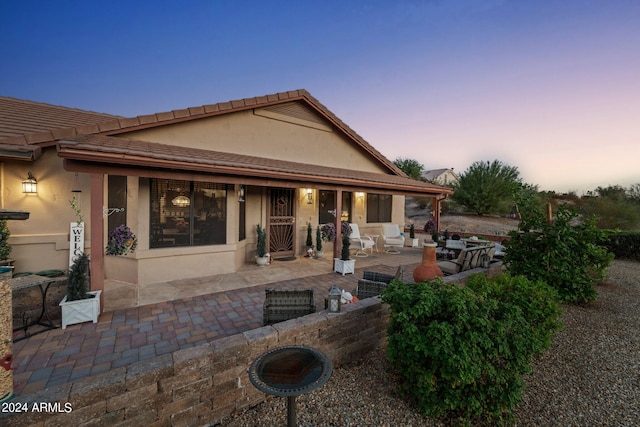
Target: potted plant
[(5, 249), (121, 241), (345, 264), (262, 257), (429, 229), (309, 240), (79, 304), (412, 236), (319, 251)]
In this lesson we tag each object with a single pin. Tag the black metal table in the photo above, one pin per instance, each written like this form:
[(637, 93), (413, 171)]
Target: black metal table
[(44, 319), (289, 372)]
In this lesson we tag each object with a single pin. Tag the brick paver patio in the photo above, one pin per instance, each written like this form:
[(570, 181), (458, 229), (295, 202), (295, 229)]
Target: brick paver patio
[(129, 335)]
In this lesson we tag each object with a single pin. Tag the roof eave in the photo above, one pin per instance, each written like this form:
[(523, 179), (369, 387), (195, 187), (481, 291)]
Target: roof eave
[(94, 157)]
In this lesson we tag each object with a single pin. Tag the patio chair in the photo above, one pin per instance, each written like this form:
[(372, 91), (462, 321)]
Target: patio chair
[(500, 251), (363, 243), (392, 238), (469, 258), (372, 283)]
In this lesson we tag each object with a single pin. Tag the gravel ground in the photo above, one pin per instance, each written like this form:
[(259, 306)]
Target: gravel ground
[(589, 377)]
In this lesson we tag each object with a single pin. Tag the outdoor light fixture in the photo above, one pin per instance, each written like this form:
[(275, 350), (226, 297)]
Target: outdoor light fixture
[(181, 201), (359, 195), (334, 299), (309, 196), (30, 185), (241, 194), (484, 259)]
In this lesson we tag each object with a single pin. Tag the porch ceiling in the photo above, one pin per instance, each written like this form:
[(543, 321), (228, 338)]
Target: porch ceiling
[(101, 153)]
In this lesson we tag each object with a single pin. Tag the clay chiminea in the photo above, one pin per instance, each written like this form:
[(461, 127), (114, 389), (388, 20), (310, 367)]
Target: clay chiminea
[(428, 269)]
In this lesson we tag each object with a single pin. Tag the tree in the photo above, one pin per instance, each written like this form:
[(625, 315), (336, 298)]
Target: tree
[(612, 192), (633, 193), (487, 187), (411, 167), (614, 207), (565, 253)]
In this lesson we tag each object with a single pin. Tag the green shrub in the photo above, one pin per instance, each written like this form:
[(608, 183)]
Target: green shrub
[(309, 239), (623, 244), (461, 351), (5, 247), (565, 254), (261, 247), (318, 239), (78, 282)]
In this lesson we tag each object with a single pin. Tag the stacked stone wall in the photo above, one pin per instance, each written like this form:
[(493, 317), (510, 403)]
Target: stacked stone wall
[(201, 385)]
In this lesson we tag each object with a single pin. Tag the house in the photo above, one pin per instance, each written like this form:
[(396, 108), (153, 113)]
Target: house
[(191, 184), (441, 176)]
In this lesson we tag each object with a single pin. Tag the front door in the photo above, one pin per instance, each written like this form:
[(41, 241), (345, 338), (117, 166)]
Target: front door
[(281, 222)]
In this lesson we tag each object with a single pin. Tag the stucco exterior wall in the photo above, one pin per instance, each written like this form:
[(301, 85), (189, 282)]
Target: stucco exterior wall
[(257, 135), (42, 241)]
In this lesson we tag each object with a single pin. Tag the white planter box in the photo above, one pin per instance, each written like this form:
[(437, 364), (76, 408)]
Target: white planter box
[(80, 311), (344, 267)]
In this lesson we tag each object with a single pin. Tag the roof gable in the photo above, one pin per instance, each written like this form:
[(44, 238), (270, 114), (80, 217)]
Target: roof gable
[(113, 126)]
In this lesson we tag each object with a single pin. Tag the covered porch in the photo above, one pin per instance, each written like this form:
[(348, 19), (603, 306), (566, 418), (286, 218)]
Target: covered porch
[(280, 195)]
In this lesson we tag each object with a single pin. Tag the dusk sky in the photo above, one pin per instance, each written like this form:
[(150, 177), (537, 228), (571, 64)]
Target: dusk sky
[(551, 87)]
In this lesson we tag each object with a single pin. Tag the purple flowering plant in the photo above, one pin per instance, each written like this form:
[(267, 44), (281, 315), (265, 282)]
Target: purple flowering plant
[(328, 230), (121, 241)]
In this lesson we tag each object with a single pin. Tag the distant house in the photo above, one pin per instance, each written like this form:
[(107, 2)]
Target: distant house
[(441, 176), (191, 184)]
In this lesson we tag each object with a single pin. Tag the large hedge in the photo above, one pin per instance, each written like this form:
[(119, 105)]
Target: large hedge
[(565, 253), (623, 244), (461, 351)]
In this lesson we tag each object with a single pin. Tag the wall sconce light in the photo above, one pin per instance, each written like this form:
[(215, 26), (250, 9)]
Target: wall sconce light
[(309, 196), (241, 194), (181, 201), (30, 185), (359, 195)]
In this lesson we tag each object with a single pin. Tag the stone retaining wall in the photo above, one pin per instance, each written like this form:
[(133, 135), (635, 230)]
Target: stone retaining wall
[(201, 385)]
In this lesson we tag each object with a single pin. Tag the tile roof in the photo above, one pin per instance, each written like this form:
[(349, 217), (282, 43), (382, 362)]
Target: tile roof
[(125, 151), (95, 123), (20, 118), (25, 126)]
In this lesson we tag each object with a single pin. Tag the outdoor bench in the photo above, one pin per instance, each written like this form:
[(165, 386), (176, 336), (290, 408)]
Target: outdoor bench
[(285, 304)]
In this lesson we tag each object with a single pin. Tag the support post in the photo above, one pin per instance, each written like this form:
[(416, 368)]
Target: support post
[(97, 235), (338, 221)]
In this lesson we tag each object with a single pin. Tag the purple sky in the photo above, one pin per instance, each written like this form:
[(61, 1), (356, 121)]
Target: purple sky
[(549, 86)]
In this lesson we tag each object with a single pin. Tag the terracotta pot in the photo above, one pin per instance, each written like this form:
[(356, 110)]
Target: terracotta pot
[(428, 269)]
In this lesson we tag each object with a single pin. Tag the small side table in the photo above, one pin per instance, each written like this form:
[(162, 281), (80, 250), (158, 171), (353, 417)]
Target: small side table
[(374, 237), (290, 371), (43, 283)]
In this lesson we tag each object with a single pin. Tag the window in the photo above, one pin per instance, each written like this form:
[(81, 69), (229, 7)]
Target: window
[(327, 206), (186, 213), (379, 207), (242, 221), (116, 201)]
